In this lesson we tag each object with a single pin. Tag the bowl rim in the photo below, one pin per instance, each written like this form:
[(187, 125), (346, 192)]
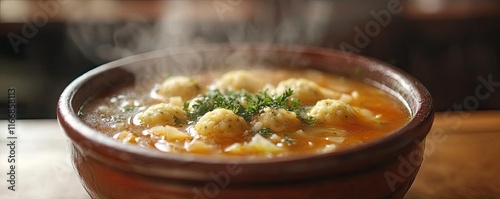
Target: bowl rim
[(68, 118)]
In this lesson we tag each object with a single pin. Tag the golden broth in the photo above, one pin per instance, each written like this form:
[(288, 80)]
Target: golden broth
[(377, 114)]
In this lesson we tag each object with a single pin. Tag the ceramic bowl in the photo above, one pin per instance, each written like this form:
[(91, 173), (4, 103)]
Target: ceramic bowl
[(384, 168)]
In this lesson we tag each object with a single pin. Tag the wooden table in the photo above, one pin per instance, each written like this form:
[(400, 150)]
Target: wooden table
[(465, 161), (461, 160)]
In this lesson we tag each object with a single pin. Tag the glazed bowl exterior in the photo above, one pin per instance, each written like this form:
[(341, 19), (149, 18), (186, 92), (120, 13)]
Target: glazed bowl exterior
[(384, 168)]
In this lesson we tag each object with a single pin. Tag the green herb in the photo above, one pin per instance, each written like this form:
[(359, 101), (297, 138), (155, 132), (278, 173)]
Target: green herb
[(244, 104), (80, 114), (212, 100), (302, 113), (289, 141), (309, 120), (257, 102), (128, 110), (266, 132), (177, 121)]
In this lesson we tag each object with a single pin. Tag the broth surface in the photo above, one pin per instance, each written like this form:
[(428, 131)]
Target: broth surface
[(334, 113)]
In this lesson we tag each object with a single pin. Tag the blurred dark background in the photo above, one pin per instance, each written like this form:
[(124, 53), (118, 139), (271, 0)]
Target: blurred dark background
[(447, 44)]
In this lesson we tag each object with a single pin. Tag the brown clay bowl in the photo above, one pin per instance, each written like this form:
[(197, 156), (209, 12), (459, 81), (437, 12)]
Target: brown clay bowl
[(384, 168)]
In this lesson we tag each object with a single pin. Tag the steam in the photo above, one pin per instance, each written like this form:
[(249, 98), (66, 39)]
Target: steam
[(187, 23), (190, 23)]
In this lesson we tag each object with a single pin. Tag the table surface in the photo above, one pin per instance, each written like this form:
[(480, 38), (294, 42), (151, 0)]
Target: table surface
[(461, 160)]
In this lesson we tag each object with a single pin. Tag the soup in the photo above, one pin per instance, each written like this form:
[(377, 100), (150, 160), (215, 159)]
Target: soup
[(263, 112)]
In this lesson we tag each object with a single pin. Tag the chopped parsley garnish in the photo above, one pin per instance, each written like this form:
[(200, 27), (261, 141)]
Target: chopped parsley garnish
[(128, 110), (288, 140), (309, 120), (266, 132), (177, 121), (244, 104)]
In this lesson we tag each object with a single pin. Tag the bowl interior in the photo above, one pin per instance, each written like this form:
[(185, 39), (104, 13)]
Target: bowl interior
[(188, 61)]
